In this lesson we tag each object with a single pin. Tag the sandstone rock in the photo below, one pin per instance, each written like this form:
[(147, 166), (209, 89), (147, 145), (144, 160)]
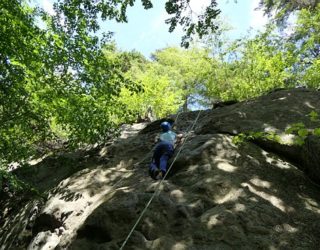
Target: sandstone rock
[(218, 195)]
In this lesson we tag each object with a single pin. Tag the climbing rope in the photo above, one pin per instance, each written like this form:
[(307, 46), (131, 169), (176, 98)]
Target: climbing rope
[(157, 191), (147, 156), (176, 119)]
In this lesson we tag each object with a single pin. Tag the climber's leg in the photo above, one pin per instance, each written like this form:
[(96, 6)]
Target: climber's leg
[(164, 158), (154, 165), (163, 163), (162, 154), (153, 169)]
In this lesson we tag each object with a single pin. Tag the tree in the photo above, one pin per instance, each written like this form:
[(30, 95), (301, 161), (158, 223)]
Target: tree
[(249, 67), (23, 122), (51, 76), (74, 14), (306, 39), (186, 69), (61, 76), (157, 94), (281, 9)]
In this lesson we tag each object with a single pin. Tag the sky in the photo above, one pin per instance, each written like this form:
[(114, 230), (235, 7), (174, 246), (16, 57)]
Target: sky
[(146, 30)]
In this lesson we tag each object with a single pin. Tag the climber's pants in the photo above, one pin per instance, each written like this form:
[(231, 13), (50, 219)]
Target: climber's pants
[(162, 153)]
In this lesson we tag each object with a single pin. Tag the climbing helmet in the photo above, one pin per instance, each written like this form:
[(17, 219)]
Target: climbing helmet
[(165, 126)]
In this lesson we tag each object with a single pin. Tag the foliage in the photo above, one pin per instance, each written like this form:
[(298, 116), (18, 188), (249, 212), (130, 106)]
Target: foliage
[(306, 37), (87, 107), (205, 24), (299, 129), (249, 136), (314, 116), (10, 184), (157, 96), (281, 9), (253, 67), (249, 67), (301, 39), (63, 79), (186, 69), (75, 13), (60, 79), (53, 76), (23, 122)]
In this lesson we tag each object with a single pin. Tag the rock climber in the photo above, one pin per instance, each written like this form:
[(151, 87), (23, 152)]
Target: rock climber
[(163, 151)]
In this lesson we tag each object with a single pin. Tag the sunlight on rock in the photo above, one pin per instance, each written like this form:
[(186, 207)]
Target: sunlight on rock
[(309, 105), (193, 168), (253, 161), (213, 221), (276, 162), (311, 207), (96, 180), (239, 207), (209, 143), (232, 195), (268, 128), (287, 139), (94, 177), (310, 204), (179, 246), (218, 196), (226, 167), (114, 176), (131, 130), (281, 98), (111, 175), (242, 114), (209, 180), (38, 160), (260, 183), (148, 222), (275, 201), (152, 187), (123, 164), (177, 195), (126, 189), (285, 228), (103, 152), (211, 217), (218, 216), (253, 199), (45, 240), (75, 207), (224, 154)]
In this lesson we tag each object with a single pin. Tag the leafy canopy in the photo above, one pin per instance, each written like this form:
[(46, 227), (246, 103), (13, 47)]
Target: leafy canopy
[(77, 13)]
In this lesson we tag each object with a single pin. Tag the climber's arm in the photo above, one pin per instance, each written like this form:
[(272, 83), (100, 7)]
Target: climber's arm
[(179, 140)]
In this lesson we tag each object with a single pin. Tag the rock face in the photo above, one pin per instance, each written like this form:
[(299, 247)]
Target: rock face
[(217, 196)]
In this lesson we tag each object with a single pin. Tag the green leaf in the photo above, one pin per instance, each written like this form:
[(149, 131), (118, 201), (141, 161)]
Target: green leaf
[(316, 131), (314, 116), (299, 141), (303, 132)]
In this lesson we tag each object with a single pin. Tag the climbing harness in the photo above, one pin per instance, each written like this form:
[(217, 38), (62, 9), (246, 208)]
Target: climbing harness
[(158, 190)]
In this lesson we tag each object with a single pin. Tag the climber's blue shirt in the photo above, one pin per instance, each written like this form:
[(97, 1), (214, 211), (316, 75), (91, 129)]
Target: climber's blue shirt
[(169, 137)]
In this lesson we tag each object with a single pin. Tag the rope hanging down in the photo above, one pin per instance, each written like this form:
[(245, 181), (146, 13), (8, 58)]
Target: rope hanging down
[(147, 156), (158, 186)]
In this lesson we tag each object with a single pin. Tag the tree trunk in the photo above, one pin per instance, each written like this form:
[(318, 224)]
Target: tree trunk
[(185, 104)]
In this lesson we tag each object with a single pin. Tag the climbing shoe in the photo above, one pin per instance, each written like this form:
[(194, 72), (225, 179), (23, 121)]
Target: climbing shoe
[(154, 174), (160, 175)]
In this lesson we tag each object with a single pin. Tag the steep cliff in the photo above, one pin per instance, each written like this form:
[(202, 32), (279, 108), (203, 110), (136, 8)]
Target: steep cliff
[(257, 195)]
